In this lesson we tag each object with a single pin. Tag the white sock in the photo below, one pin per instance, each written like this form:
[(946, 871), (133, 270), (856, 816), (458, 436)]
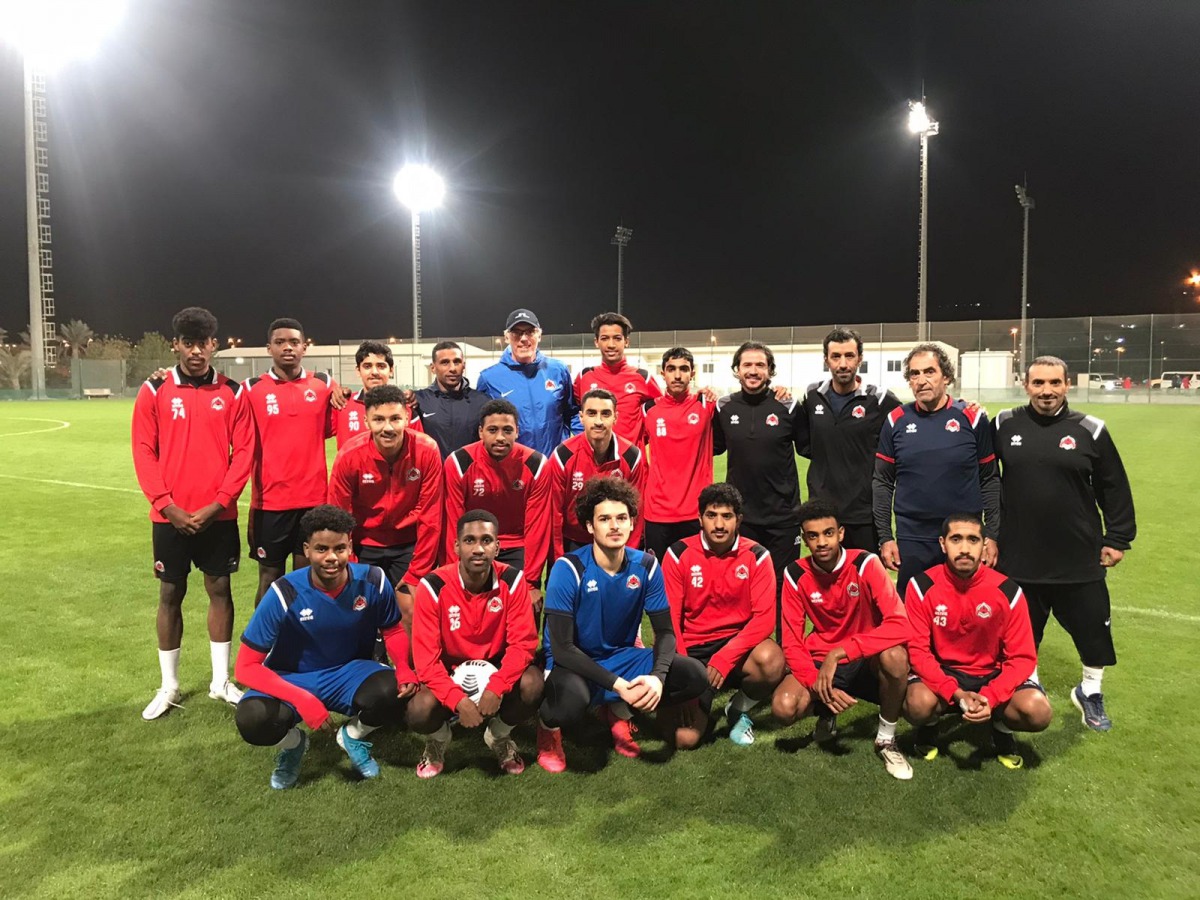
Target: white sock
[(1001, 726), (1090, 685), (1034, 677), (621, 710), (499, 729), (357, 729), (168, 662), (739, 702), (886, 731), (220, 662), (544, 726), (291, 740), (442, 735)]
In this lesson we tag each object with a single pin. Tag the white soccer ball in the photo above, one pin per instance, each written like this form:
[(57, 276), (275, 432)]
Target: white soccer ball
[(472, 676)]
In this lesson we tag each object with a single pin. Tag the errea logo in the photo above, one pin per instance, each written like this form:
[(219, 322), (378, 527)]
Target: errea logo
[(734, 420), (592, 587), (177, 410), (816, 597), (1015, 441), (368, 478), (819, 409), (477, 487), (577, 481), (306, 614), (697, 574), (939, 615), (911, 428)]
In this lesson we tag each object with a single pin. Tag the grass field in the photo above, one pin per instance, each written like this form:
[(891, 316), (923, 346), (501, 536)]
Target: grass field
[(95, 802)]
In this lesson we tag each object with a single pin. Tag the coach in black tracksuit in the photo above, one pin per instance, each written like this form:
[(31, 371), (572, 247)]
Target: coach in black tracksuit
[(762, 436), (1061, 473)]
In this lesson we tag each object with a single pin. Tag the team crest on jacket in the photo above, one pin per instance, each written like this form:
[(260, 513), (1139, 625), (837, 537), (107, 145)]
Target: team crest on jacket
[(633, 582), (772, 419), (742, 572), (630, 387), (518, 485), (218, 404), (859, 411), (414, 474), (952, 425), (495, 605), (549, 384), (360, 603), (852, 589), (1067, 443), (693, 418), (983, 611), (310, 396)]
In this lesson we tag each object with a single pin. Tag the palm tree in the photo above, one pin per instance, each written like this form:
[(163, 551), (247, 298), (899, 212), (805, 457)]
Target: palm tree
[(14, 364), (76, 334), (3, 336)]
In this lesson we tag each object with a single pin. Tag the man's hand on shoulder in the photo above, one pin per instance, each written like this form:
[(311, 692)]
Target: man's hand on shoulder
[(889, 555)]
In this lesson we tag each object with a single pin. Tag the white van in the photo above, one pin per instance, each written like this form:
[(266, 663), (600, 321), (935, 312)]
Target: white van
[(1169, 378)]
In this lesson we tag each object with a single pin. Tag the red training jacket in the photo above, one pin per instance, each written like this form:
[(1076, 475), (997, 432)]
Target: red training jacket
[(571, 465), (679, 435), (632, 387), (351, 420)]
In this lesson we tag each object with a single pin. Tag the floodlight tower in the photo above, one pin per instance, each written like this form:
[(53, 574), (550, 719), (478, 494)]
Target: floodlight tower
[(919, 123), (48, 34), (1026, 204), (621, 240), (420, 189)]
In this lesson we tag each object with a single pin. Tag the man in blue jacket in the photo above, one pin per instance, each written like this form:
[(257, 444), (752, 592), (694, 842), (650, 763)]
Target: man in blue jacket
[(538, 386)]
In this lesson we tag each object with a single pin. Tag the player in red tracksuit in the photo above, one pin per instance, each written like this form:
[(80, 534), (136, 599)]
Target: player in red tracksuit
[(292, 417), (595, 452), (856, 647), (971, 646), (474, 608), (631, 386), (192, 446), (375, 366), (508, 480), (390, 480), (721, 588)]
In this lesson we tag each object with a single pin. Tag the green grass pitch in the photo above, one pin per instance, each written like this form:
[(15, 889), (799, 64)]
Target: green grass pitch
[(95, 802)]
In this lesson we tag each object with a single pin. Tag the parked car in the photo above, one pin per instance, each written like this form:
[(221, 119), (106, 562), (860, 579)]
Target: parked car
[(1170, 379), (1102, 381)]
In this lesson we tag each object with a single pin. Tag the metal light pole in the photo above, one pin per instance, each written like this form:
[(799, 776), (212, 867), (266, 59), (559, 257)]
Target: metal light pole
[(920, 124), (621, 239), (37, 311), (1026, 204), (420, 189)]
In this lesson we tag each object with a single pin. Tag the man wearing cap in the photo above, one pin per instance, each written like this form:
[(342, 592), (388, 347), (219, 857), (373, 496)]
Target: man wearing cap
[(538, 386)]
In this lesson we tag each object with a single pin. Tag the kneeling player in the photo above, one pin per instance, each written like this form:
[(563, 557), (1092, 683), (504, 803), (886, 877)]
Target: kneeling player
[(972, 646), (307, 650), (858, 635), (474, 608), (721, 587), (595, 598)]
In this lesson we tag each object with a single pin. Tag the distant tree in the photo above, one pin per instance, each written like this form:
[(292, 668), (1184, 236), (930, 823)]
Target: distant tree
[(24, 338), (76, 334), (152, 352), (14, 365), (3, 335), (109, 348)]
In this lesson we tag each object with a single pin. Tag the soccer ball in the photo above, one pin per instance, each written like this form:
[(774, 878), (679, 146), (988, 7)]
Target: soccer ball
[(472, 676)]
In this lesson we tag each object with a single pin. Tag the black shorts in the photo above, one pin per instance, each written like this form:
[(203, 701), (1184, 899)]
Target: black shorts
[(214, 551), (661, 535), (974, 683), (393, 560), (274, 535), (860, 537), (857, 679), (1084, 612), (705, 652), (512, 556)]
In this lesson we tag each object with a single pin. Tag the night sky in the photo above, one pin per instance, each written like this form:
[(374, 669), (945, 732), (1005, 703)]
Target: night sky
[(239, 155)]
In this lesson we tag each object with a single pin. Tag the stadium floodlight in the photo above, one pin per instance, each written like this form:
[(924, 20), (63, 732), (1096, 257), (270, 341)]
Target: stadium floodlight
[(1026, 204), (621, 240), (47, 33), (420, 189), (919, 123)]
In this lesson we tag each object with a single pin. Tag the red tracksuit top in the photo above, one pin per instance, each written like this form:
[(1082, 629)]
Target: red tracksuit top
[(291, 421), (451, 626), (716, 597), (974, 627), (393, 503), (679, 436), (516, 491), (632, 387), (854, 607), (571, 465), (351, 420), (192, 443)]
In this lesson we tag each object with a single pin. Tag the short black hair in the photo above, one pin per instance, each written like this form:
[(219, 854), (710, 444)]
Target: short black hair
[(611, 318), (385, 393), (476, 515), (598, 394), (1049, 361), (679, 353), (721, 494), (326, 518), (840, 336), (283, 323), (602, 488), (755, 345), (373, 348), (943, 359), (497, 408), (194, 324), (961, 517), (818, 509), (443, 345)]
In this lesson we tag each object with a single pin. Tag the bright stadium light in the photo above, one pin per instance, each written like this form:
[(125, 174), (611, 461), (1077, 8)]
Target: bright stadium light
[(51, 32), (919, 123), (420, 189)]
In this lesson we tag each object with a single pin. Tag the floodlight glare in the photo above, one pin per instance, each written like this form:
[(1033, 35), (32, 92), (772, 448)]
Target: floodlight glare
[(50, 32), (918, 119), (419, 188)]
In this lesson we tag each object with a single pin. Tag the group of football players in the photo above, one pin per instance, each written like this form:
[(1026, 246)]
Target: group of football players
[(485, 556)]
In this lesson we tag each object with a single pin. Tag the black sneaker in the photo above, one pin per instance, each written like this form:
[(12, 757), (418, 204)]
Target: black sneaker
[(1092, 709), (926, 743)]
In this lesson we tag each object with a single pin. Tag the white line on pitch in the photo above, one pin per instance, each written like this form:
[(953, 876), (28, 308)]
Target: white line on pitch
[(1157, 613), (78, 484), (59, 425)]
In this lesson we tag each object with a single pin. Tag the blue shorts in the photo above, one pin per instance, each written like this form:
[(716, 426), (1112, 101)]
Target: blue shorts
[(334, 687), (627, 663)]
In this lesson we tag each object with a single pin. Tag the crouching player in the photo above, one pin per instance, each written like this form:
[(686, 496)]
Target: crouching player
[(972, 646), (856, 648), (307, 650), (595, 598), (721, 587), (474, 608)]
